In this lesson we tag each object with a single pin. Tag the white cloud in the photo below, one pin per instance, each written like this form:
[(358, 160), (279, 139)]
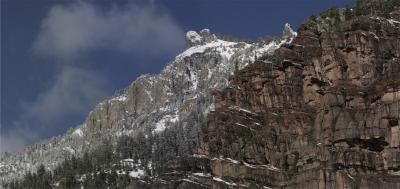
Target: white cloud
[(16, 139), (74, 91), (69, 30)]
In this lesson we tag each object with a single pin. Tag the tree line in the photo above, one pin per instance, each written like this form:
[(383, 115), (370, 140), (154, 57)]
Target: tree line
[(99, 168)]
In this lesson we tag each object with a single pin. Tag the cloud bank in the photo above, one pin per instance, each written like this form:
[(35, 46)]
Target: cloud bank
[(70, 30)]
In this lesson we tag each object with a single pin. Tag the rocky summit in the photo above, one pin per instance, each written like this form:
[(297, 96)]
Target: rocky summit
[(319, 108)]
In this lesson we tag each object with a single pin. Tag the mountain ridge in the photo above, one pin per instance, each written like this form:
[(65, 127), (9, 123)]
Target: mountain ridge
[(112, 114)]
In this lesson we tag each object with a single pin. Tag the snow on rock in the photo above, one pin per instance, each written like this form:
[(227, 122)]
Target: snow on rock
[(270, 167), (381, 19), (161, 125), (193, 37), (268, 48), (136, 174), (78, 132), (264, 166), (241, 109), (69, 149), (233, 161), (223, 181), (121, 172), (223, 47), (121, 98), (288, 32), (149, 95), (393, 22), (193, 78), (199, 156), (202, 174), (245, 126)]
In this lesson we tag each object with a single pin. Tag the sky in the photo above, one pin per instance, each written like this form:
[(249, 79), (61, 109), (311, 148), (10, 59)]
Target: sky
[(59, 58)]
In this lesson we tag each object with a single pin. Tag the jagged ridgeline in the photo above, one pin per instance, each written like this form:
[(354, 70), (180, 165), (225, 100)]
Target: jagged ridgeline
[(316, 109)]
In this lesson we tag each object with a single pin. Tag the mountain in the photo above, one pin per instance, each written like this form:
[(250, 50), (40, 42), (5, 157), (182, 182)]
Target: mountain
[(314, 109), (180, 95)]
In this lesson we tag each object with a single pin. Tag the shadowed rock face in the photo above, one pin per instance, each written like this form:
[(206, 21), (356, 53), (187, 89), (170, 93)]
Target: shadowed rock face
[(323, 112)]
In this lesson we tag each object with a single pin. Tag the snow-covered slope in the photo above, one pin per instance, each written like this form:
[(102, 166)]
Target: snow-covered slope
[(152, 103)]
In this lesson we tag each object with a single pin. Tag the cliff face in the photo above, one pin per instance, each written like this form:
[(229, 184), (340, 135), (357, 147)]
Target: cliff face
[(323, 112)]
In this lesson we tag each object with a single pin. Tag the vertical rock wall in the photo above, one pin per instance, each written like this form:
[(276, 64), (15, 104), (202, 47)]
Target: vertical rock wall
[(323, 112)]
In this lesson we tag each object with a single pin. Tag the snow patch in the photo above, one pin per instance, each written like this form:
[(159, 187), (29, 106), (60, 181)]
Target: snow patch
[(223, 47), (193, 37), (121, 98), (267, 166), (241, 125), (121, 172), (69, 149), (350, 176), (149, 95), (241, 109), (393, 22), (161, 125), (374, 35), (136, 174), (268, 48), (223, 181), (233, 161), (248, 165), (202, 174), (199, 156), (78, 132)]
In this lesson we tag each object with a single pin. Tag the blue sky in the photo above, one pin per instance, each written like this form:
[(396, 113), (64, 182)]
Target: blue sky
[(60, 58)]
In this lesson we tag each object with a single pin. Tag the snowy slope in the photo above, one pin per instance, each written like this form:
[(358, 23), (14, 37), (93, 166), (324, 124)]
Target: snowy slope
[(152, 103)]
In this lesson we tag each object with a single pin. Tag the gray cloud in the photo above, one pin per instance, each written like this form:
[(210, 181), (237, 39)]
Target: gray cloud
[(16, 139), (69, 30), (72, 93)]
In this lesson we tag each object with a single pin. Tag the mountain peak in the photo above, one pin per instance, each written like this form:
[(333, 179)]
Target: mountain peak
[(288, 32), (204, 36)]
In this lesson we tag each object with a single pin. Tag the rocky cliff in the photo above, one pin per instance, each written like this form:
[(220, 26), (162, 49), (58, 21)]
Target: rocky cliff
[(322, 112)]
